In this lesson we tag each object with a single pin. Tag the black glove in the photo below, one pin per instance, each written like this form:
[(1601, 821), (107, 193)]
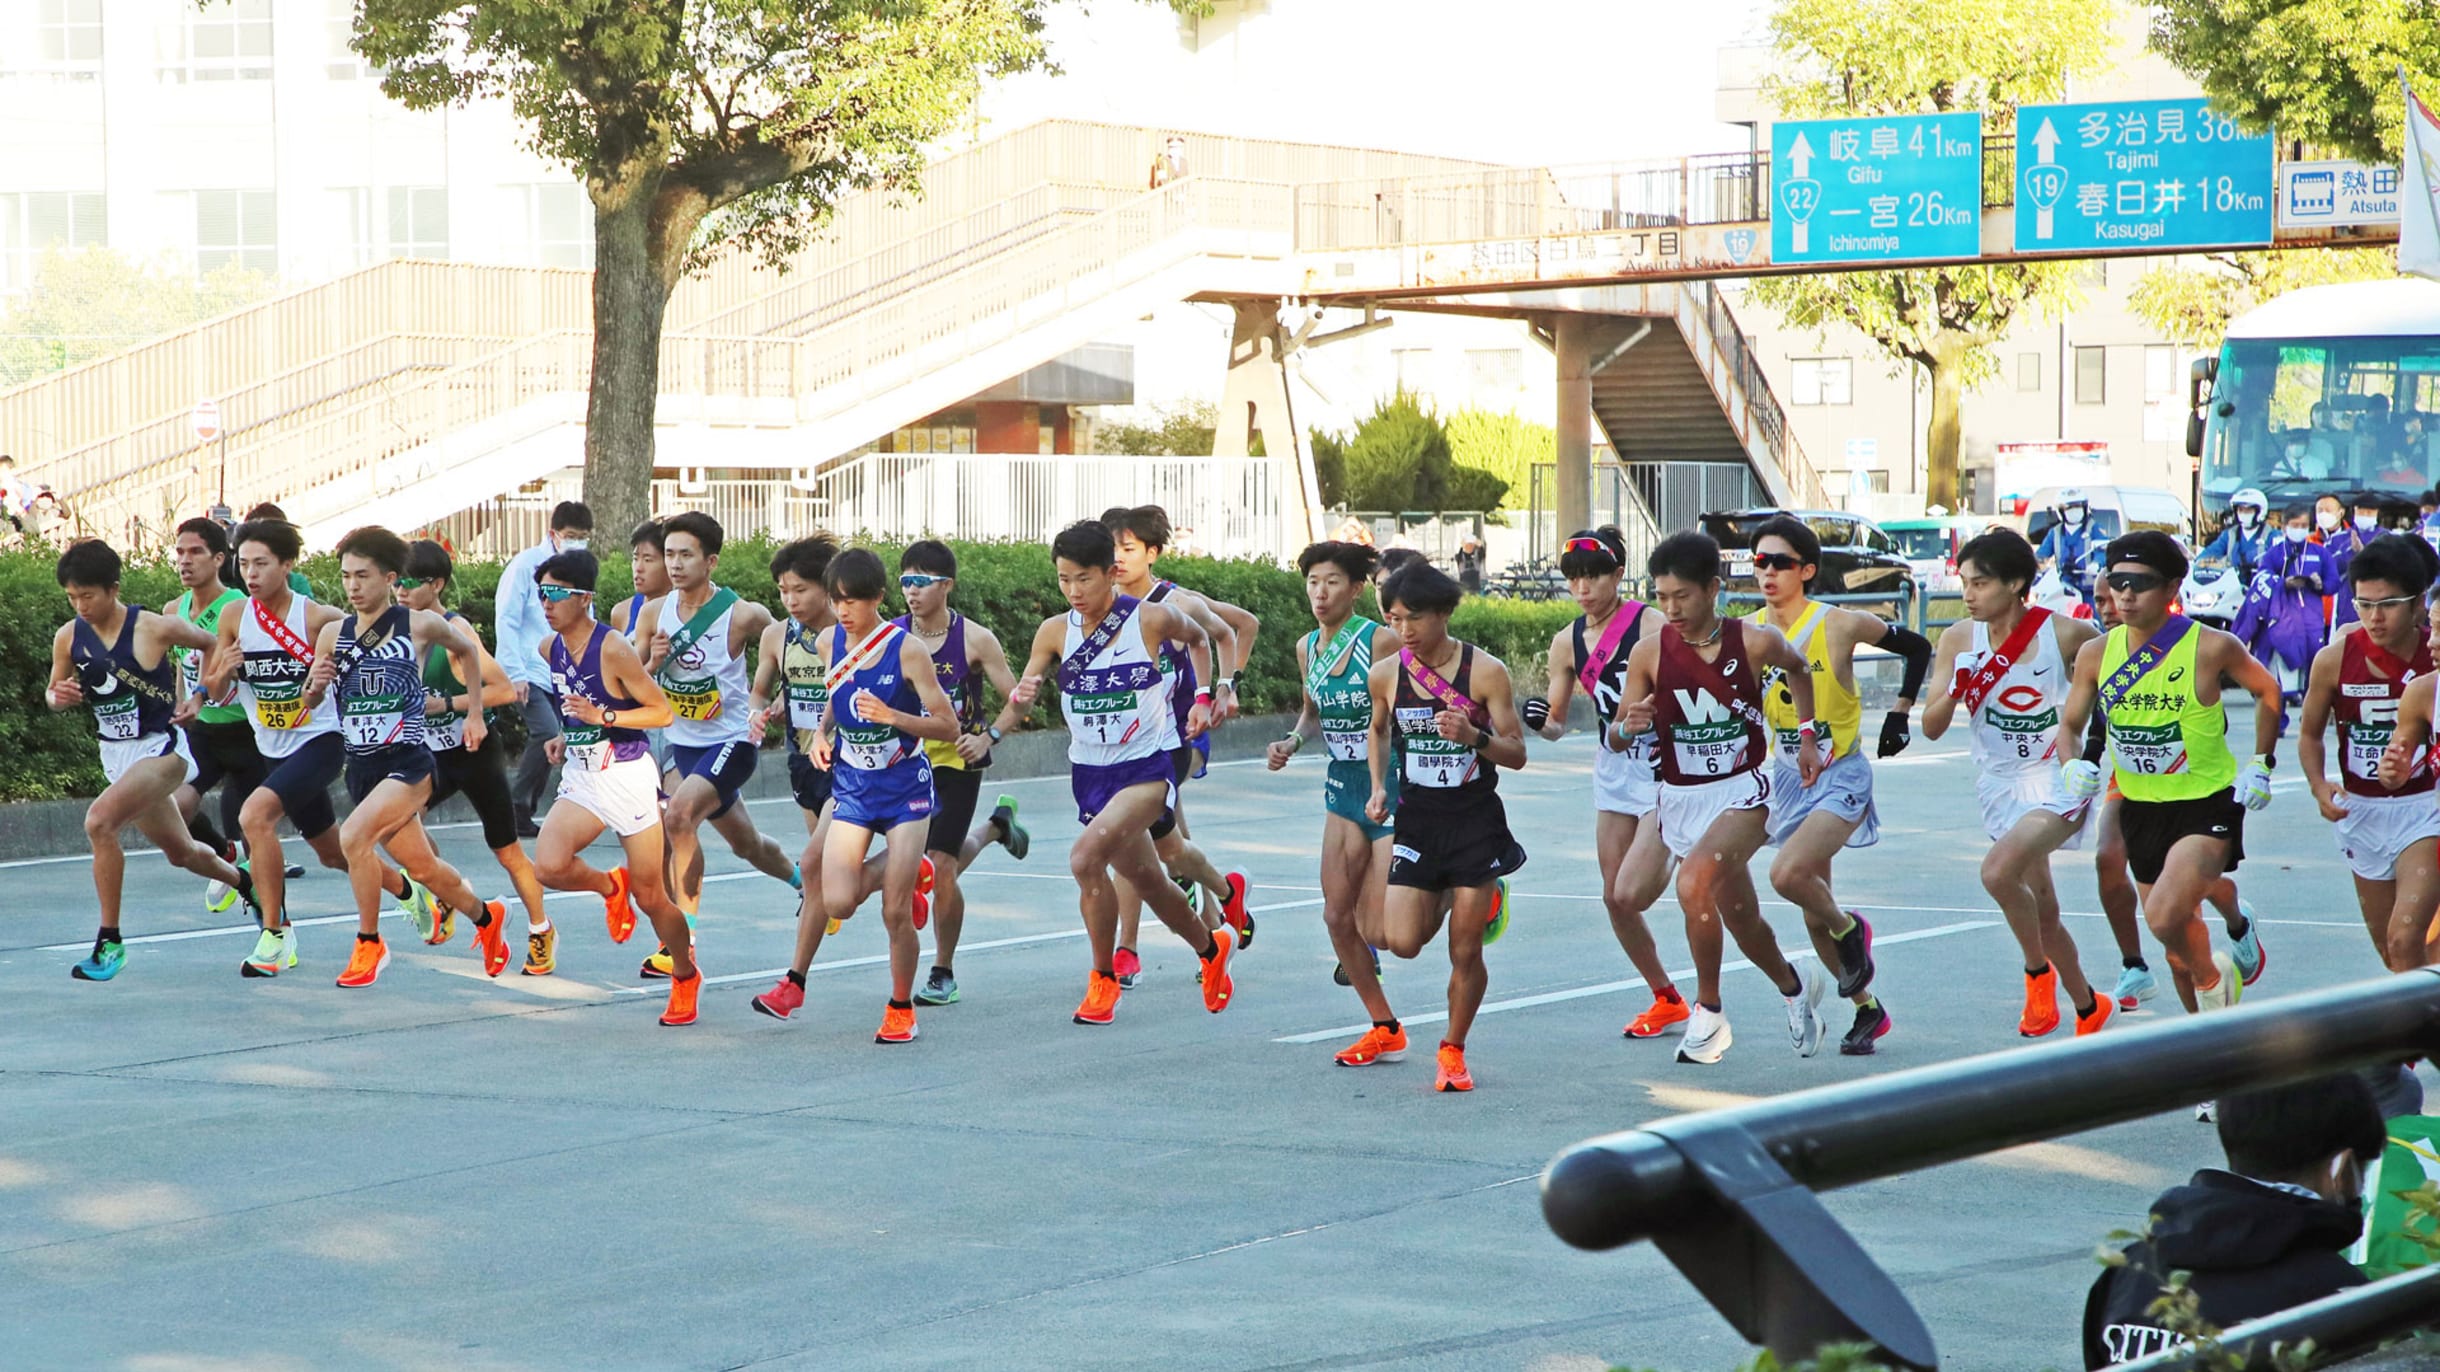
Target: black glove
[(1894, 736), (1535, 711)]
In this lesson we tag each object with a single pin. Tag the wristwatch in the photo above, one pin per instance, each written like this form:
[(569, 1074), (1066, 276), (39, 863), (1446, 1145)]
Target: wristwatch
[(994, 732), (609, 717)]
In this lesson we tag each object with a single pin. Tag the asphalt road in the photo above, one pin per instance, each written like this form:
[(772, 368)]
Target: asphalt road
[(199, 1172)]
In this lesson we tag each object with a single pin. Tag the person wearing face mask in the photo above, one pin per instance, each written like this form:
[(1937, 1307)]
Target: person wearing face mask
[(518, 629), (2069, 544), (2266, 1234), (2246, 536), (2282, 622), (2344, 544)]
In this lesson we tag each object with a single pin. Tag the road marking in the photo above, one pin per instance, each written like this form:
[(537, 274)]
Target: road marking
[(1607, 987)]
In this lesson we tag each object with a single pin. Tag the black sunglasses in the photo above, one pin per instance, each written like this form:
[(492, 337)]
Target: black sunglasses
[(2137, 582), (1778, 562)]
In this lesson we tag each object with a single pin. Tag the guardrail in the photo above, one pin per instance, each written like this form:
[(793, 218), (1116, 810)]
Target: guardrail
[(1729, 1196)]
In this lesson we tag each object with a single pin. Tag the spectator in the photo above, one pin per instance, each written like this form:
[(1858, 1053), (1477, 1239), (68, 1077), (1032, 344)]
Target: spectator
[(2264, 1235), (1470, 565), (1170, 163), (12, 493), (48, 519), (517, 633)]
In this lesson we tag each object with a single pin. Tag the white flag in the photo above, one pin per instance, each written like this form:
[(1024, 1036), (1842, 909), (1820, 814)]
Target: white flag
[(2419, 212)]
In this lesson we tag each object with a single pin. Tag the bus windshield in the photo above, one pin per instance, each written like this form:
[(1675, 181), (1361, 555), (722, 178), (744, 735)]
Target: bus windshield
[(2299, 417)]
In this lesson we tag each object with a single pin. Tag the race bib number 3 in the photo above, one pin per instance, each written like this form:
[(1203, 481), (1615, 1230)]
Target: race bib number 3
[(868, 750)]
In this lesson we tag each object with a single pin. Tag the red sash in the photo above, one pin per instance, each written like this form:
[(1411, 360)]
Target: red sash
[(1986, 678), (279, 632), (863, 655)]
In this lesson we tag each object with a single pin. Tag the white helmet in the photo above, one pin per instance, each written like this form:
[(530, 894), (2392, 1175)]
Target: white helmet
[(2072, 495), (2250, 496)]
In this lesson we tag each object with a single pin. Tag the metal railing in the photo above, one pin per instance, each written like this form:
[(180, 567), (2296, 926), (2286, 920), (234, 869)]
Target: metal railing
[(1729, 1195), (1744, 391), (1224, 506)]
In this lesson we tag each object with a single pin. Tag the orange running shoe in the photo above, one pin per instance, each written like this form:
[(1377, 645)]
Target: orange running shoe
[(492, 939), (616, 908), (897, 1025), (1453, 1075), (2041, 1003), (683, 992), (1663, 1012), (923, 902), (2103, 1008), (1100, 1000), (365, 964), (1377, 1045), (1216, 982)]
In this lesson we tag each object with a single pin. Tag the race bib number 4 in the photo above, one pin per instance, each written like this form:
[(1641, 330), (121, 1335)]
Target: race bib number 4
[(2151, 749), (695, 700), (1432, 762)]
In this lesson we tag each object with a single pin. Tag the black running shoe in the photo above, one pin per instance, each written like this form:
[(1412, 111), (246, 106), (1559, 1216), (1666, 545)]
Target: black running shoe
[(1855, 957), (295, 871), (1862, 1041)]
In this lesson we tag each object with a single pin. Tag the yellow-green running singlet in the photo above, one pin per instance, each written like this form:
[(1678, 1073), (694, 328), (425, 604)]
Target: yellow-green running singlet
[(2167, 744)]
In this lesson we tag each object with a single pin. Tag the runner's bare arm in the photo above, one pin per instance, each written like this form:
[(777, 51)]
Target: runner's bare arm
[(221, 664), (2413, 728), (1243, 624), (319, 616), (766, 670), (623, 674), (2222, 654), (1503, 744), (938, 722), (2078, 711), (1772, 649), (746, 625), (66, 691), (1308, 716), (2321, 686), (1039, 660), (1560, 663), (498, 690), (1383, 683), (320, 676), (465, 649), (1942, 707), (160, 633), (1193, 609), (1182, 629), (651, 643), (1636, 697)]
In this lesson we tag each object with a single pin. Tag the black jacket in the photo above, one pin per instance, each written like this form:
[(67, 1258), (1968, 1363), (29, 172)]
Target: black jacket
[(2254, 1249)]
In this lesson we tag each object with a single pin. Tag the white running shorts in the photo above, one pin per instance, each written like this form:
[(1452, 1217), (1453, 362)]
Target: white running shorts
[(626, 796), (1687, 811), (121, 754), (2008, 797), (2379, 829), (1623, 784)]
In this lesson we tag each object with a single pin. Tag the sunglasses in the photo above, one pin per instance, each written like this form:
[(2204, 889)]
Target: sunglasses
[(410, 583), (1778, 562), (2365, 607), (916, 581), (552, 595), (1591, 545), (2137, 582)]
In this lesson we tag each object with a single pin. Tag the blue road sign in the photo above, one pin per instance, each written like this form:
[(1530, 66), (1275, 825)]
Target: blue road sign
[(2139, 174), (1876, 189)]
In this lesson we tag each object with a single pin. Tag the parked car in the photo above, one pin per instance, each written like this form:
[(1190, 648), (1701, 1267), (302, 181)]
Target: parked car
[(1930, 546), (1858, 556)]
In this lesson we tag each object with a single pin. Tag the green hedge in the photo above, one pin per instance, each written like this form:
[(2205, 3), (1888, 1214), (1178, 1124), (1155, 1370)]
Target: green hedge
[(1009, 586)]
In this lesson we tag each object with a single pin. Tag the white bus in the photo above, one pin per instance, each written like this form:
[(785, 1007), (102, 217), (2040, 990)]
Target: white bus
[(2330, 390)]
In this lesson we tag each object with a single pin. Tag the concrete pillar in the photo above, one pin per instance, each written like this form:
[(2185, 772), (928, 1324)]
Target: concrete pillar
[(1255, 399), (1572, 340)]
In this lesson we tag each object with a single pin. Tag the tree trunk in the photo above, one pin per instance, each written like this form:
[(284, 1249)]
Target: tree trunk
[(1945, 433), (631, 286)]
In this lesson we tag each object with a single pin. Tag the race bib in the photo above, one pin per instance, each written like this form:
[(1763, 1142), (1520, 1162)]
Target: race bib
[(697, 700), (2023, 737), (2152, 749), (805, 702), (443, 732), (119, 719), (588, 749), (1716, 748), (274, 713), (1347, 745), (1432, 762), (1103, 719), (370, 721), (867, 750)]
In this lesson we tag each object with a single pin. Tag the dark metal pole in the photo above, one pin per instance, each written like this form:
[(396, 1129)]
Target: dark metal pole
[(2357, 1320)]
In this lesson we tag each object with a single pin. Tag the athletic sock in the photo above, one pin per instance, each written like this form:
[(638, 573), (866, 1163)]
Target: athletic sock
[(943, 970), (542, 928), (2135, 964), (406, 887), (798, 978), (1211, 949), (2085, 1010), (2037, 971), (245, 888), (1800, 985), (1387, 1026), (1842, 933), (1714, 1008), (1670, 994), (482, 915), (1458, 1046), (1869, 1003), (902, 1005), (109, 933), (2243, 927), (368, 938)]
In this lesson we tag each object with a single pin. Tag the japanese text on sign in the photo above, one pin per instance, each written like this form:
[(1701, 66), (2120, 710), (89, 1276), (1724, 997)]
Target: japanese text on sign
[(1870, 190), (2139, 173)]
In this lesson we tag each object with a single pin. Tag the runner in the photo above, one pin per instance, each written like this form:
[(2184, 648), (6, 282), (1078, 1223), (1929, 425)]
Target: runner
[(265, 648), (697, 651), (368, 663), (1591, 655), (651, 583), (1715, 796), (479, 773), (1811, 821), (1448, 713), (2156, 677), (115, 658), (2388, 826), (1336, 662), (606, 779), (2006, 668), (964, 655), (1142, 535), (881, 780), (217, 735), (1121, 737)]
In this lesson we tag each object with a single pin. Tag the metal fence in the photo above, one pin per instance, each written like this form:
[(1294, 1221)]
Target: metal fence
[(1223, 506), (1729, 1196)]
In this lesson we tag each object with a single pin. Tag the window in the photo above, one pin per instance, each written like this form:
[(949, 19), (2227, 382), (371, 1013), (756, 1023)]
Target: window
[(356, 211), (418, 222), (1875, 482), (236, 228), (69, 33), (1823, 381), (1833, 531), (1495, 373), (558, 225), (227, 42), (2164, 413), (343, 63), (2029, 371), (2092, 376), (1414, 369), (36, 220)]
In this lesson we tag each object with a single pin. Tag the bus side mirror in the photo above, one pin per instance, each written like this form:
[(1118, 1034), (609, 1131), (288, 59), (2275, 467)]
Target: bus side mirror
[(2194, 433), (2199, 380)]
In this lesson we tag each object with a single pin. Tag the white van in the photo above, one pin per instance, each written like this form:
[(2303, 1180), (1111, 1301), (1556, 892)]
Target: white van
[(2115, 510)]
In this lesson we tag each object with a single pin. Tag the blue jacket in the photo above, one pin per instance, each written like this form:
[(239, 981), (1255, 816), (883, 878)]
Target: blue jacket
[(2072, 549), (2241, 550)]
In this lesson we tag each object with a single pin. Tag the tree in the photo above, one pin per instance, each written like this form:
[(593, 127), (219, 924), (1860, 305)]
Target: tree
[(1399, 459), (1504, 446), (699, 127), (89, 301), (2321, 72), (2193, 304), (1183, 431), (1883, 57)]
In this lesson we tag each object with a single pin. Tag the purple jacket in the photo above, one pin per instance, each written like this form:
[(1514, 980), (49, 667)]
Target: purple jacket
[(2280, 623)]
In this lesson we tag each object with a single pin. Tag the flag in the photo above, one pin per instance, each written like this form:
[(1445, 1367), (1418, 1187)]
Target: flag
[(2419, 226)]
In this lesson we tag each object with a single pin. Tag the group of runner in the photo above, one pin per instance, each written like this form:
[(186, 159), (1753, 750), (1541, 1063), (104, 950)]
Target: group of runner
[(1716, 737)]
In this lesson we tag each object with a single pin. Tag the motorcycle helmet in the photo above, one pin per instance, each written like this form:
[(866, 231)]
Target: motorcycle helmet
[(2072, 507), (2249, 496)]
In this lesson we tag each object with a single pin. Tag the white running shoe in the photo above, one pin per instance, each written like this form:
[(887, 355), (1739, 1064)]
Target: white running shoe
[(2230, 990), (1707, 1037), (1805, 1023)]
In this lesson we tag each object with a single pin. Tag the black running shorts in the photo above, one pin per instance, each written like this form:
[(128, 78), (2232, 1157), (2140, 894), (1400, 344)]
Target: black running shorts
[(955, 792), (2153, 827), (1437, 850)]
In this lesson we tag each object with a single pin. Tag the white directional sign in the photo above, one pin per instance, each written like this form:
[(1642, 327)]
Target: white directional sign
[(206, 419), (2330, 194)]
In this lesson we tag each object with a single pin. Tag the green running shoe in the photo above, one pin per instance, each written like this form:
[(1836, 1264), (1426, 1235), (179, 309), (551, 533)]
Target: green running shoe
[(938, 989), (419, 907), (219, 897), (108, 956), (1498, 924), (275, 951), (1013, 836)]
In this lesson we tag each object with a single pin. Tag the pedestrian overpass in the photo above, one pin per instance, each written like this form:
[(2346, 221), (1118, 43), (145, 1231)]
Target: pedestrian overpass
[(412, 390)]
